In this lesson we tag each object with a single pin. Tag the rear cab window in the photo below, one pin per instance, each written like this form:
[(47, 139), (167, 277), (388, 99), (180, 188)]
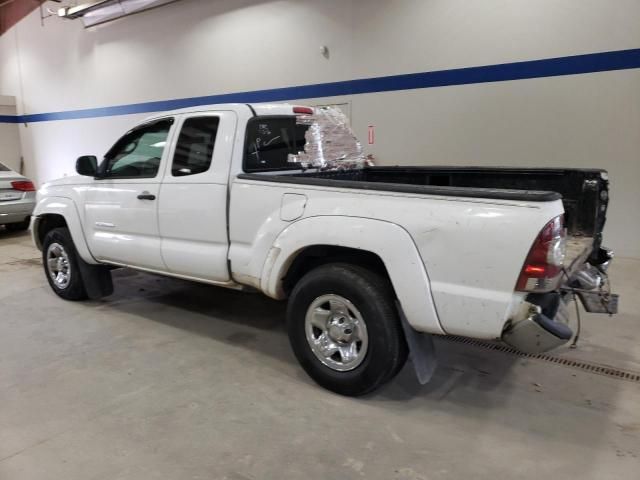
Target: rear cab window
[(269, 142)]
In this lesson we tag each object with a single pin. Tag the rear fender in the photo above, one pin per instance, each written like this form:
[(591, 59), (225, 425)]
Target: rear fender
[(389, 241)]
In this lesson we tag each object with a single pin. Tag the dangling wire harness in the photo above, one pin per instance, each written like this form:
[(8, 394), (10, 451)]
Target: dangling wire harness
[(604, 292)]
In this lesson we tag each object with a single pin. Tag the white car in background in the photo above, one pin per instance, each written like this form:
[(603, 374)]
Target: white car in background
[(17, 199)]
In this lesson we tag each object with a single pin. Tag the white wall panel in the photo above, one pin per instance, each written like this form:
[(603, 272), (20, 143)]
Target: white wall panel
[(9, 135), (190, 48), (403, 36)]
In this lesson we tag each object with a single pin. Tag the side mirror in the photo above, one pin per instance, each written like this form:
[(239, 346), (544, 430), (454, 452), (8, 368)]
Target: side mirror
[(87, 165)]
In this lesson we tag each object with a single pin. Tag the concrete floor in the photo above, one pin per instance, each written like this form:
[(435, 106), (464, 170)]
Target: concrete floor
[(172, 380)]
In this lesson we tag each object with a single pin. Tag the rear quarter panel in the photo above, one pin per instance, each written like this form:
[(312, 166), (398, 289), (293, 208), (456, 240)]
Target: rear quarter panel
[(472, 248)]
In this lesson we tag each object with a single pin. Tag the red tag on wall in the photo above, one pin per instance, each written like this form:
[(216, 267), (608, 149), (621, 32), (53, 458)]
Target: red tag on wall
[(372, 134)]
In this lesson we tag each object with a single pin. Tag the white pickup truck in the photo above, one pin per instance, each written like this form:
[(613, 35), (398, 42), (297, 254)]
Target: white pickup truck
[(366, 256)]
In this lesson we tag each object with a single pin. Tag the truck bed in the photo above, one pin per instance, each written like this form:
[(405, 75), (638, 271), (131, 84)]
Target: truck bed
[(584, 192)]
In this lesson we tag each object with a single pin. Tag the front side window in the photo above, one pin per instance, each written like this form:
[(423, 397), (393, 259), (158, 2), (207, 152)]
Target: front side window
[(138, 153), (270, 141), (194, 150)]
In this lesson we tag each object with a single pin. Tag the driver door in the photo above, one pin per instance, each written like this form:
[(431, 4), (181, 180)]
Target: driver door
[(121, 207)]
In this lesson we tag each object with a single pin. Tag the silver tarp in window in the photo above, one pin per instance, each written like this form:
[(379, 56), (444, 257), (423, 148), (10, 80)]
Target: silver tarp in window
[(330, 142)]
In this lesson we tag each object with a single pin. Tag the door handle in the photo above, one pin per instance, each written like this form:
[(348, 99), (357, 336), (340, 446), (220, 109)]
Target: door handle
[(146, 196)]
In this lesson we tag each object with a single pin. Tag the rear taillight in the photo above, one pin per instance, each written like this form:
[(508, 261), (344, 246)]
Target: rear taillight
[(23, 186), (543, 268)]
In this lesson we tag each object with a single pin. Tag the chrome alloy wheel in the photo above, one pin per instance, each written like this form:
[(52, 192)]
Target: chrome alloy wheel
[(59, 266), (336, 332)]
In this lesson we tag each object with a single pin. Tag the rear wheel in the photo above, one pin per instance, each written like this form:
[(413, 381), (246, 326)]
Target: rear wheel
[(18, 227), (344, 328), (60, 261)]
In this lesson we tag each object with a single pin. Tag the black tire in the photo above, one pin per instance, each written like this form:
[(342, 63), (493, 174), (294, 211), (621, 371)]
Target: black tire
[(373, 297), (75, 289), (18, 227)]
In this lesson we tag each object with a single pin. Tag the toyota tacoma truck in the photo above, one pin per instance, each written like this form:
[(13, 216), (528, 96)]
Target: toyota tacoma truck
[(276, 199)]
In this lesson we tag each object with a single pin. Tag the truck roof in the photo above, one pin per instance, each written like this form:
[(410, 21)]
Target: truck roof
[(259, 108)]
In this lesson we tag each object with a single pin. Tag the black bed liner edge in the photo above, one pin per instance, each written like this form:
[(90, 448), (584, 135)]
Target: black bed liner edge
[(466, 192)]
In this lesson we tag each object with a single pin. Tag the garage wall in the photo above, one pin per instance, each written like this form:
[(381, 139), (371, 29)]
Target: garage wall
[(9, 135), (198, 48)]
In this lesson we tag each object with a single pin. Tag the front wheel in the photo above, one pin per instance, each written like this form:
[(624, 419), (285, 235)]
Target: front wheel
[(344, 329), (60, 261)]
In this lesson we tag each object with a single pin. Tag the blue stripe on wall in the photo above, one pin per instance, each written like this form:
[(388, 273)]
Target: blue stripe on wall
[(552, 67), (10, 119)]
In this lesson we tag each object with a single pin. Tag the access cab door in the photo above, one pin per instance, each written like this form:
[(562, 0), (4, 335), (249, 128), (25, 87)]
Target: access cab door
[(120, 207), (192, 208)]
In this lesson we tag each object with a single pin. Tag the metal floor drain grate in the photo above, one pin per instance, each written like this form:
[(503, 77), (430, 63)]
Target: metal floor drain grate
[(567, 362)]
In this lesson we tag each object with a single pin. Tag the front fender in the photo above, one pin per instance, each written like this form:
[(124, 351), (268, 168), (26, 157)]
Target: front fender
[(66, 208), (389, 241)]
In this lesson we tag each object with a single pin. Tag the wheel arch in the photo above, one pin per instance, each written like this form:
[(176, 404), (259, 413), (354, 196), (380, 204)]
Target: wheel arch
[(56, 212), (315, 256), (379, 245), (44, 223)]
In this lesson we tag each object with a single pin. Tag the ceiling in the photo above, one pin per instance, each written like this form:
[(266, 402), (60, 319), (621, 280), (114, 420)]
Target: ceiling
[(12, 11), (92, 13)]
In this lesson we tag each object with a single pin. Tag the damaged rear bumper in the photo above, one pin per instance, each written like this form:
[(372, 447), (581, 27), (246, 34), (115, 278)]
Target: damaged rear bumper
[(542, 322)]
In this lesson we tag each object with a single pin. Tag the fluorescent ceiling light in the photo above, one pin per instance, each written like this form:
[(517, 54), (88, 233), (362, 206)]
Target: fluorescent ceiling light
[(94, 13)]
